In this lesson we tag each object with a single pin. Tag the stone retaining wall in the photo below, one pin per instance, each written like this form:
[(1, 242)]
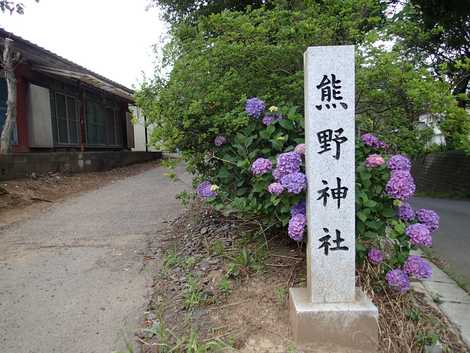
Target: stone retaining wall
[(21, 165), (442, 173)]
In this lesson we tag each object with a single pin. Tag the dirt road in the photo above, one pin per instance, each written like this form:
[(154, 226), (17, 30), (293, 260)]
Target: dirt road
[(73, 277)]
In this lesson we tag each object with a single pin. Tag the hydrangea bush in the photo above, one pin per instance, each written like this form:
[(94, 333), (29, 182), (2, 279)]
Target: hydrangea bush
[(260, 173)]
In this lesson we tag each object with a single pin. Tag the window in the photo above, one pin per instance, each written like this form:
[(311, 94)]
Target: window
[(111, 127), (95, 124), (67, 119), (102, 125)]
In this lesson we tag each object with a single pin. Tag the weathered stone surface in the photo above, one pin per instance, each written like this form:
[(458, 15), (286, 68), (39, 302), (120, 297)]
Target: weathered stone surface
[(459, 315), (344, 327), (331, 312), (331, 278)]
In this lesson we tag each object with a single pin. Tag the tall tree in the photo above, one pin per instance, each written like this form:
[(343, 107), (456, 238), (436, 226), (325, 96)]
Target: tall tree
[(10, 58), (438, 32), (8, 61)]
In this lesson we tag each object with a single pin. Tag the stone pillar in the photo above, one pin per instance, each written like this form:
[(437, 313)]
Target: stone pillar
[(331, 311)]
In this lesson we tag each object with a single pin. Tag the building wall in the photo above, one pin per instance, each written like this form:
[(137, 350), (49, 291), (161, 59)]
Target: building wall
[(139, 135), (140, 131), (67, 113), (442, 173), (23, 165), (432, 121)]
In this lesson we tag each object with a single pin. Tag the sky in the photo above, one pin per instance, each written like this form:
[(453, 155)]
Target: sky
[(113, 38)]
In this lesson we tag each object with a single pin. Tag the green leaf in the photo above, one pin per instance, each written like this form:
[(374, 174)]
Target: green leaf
[(399, 228), (362, 215), (375, 225), (223, 173), (370, 235), (359, 246), (370, 203), (286, 124), (389, 212), (243, 164)]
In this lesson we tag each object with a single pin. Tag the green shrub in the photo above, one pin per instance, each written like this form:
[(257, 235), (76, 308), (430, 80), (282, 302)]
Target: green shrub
[(229, 166), (235, 182)]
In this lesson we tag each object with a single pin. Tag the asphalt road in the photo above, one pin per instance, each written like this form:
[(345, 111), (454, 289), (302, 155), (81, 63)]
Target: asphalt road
[(452, 241), (73, 278)]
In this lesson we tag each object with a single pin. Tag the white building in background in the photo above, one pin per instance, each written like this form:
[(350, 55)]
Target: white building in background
[(142, 131), (432, 121)]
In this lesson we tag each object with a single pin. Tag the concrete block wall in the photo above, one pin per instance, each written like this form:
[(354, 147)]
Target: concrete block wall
[(442, 173), (22, 165)]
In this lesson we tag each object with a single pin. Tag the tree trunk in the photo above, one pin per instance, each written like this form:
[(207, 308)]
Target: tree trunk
[(8, 63)]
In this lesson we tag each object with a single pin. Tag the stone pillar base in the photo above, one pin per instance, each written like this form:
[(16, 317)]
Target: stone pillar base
[(343, 327)]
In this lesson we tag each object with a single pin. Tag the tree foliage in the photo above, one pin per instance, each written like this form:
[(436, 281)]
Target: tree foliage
[(393, 93), (12, 6), (233, 55), (175, 11), (437, 32)]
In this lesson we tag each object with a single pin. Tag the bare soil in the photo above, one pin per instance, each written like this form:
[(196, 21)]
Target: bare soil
[(21, 197), (190, 310)]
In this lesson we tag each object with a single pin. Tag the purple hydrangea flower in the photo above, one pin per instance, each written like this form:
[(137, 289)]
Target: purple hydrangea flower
[(220, 140), (399, 162), (300, 149), (405, 212), (375, 256), (271, 118), (382, 145), (275, 188), (296, 227), (369, 140), (429, 218), (372, 141), (287, 163), (254, 107), (418, 268), (268, 119), (374, 160), (397, 279), (261, 166), (205, 190), (295, 182), (299, 208), (419, 234), (401, 185)]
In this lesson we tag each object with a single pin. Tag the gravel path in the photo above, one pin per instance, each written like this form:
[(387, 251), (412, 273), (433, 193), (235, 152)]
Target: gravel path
[(73, 278)]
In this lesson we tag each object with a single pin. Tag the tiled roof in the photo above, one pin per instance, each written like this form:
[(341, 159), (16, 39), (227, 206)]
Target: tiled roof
[(45, 58)]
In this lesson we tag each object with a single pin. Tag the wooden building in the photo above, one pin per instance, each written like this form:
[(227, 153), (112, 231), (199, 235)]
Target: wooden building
[(62, 106)]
